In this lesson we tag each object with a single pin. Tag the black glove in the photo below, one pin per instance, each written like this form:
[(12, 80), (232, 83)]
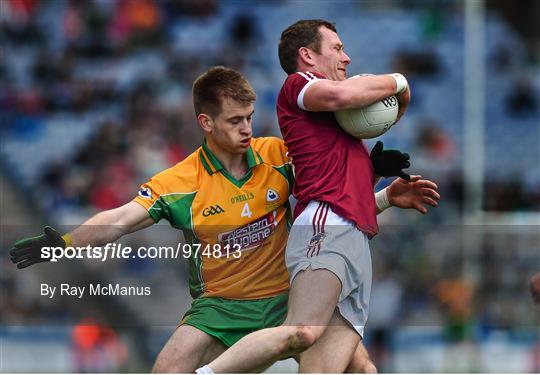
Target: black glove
[(27, 251), (389, 163)]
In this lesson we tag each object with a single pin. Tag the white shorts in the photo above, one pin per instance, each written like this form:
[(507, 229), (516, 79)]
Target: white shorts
[(321, 239)]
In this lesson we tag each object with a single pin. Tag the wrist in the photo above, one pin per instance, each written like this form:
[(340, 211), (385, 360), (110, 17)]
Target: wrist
[(401, 82), (382, 200)]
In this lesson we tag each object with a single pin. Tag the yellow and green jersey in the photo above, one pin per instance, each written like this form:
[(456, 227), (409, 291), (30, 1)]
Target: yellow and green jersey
[(248, 218)]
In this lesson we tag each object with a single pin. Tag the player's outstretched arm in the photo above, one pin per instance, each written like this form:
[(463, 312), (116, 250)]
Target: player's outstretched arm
[(105, 227), (112, 225), (355, 92), (415, 194)]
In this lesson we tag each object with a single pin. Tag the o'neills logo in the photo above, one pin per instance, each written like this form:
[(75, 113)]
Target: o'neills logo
[(250, 235)]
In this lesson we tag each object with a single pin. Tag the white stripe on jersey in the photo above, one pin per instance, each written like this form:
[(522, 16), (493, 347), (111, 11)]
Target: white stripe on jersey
[(310, 77), (305, 76)]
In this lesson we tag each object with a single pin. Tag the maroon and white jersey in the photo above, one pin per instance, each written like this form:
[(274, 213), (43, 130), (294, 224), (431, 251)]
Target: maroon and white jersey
[(330, 165)]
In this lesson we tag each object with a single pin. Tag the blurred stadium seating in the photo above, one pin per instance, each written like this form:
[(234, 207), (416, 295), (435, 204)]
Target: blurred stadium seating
[(95, 97)]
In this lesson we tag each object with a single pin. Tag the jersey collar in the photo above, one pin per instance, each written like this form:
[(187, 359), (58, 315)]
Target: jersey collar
[(213, 165)]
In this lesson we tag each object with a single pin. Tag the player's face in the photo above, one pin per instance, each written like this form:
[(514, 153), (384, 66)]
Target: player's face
[(232, 128), (332, 60)]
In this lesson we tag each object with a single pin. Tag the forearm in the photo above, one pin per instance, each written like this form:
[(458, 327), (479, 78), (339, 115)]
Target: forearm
[(355, 92), (98, 230), (361, 91), (109, 226)]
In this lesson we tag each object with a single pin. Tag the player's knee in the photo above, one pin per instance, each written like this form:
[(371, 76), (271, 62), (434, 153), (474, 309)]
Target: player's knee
[(300, 338), (304, 337), (295, 340)]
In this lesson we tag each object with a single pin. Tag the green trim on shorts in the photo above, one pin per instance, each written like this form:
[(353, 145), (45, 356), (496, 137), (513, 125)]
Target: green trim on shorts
[(230, 320)]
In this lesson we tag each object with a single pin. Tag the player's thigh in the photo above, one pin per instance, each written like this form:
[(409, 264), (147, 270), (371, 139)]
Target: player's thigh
[(187, 349), (334, 349), (312, 299)]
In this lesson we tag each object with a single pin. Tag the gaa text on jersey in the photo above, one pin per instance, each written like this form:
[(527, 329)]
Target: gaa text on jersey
[(213, 210)]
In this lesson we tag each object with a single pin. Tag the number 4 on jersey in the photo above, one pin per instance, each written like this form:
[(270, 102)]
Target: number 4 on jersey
[(246, 212)]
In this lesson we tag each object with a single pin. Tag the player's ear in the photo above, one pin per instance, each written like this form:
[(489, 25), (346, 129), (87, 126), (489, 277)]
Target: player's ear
[(305, 55), (206, 122)]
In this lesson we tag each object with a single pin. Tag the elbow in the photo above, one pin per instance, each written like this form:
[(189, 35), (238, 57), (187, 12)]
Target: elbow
[(337, 100), (342, 101), (112, 218)]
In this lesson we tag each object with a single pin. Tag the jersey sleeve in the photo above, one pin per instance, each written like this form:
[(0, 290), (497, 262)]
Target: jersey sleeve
[(287, 168), (296, 86), (169, 194), (150, 196), (274, 152)]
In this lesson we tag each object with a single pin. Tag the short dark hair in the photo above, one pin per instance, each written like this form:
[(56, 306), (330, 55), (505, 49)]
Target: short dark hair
[(303, 33), (217, 83)]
